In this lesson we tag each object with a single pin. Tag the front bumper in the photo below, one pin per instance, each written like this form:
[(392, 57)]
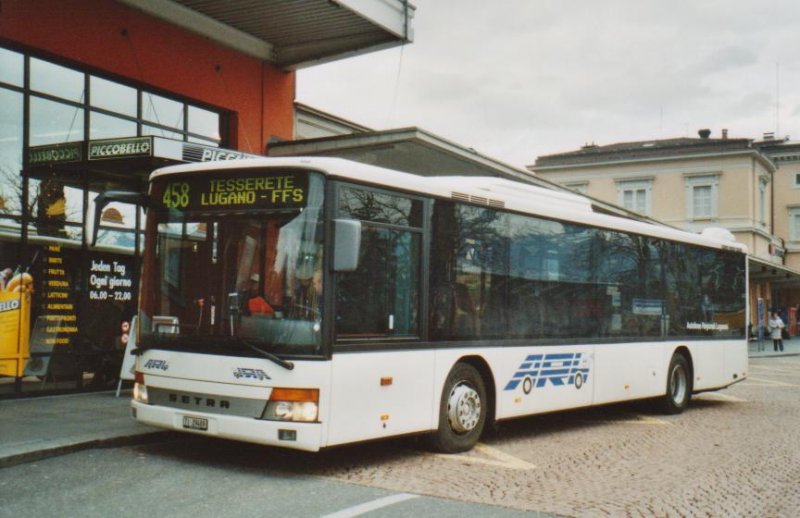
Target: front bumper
[(306, 436)]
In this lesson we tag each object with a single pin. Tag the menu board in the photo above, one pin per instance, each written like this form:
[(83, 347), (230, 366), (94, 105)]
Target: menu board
[(57, 300), (110, 280), (56, 324), (111, 302)]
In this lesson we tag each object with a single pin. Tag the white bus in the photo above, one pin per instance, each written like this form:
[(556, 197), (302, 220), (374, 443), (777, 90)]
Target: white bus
[(312, 302)]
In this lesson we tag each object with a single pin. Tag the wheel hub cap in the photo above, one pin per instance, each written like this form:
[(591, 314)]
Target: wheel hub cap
[(463, 408), (678, 384)]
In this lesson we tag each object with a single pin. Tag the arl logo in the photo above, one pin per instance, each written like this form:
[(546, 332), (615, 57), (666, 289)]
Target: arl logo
[(256, 374), (560, 369), (156, 364)]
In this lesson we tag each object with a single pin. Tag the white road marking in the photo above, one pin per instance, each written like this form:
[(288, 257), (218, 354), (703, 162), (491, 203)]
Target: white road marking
[(358, 510), (783, 362), (499, 459), (724, 397), (773, 383), (770, 370), (642, 419), (634, 419)]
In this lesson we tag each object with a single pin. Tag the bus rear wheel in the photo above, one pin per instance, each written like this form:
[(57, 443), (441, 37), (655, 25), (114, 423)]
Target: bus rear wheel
[(462, 411), (679, 386)]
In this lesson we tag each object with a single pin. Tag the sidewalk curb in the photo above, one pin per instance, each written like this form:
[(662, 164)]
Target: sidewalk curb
[(111, 442)]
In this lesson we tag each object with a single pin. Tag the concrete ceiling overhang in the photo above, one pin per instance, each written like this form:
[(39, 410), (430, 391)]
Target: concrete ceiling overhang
[(419, 152), (406, 149), (291, 34), (763, 271)]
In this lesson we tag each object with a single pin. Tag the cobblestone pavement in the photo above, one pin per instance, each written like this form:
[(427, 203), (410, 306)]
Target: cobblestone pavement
[(733, 453)]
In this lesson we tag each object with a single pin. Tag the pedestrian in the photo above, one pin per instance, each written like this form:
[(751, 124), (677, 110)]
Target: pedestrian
[(776, 329)]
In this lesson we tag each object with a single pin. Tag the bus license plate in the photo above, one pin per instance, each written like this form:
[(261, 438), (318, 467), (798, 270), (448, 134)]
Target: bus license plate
[(195, 423)]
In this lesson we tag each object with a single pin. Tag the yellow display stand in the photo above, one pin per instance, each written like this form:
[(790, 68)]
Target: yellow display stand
[(15, 328)]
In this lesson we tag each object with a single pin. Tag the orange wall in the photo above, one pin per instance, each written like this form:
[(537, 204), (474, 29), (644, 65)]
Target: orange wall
[(89, 33)]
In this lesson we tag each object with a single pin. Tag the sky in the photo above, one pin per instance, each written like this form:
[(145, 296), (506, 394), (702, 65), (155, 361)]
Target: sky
[(517, 79)]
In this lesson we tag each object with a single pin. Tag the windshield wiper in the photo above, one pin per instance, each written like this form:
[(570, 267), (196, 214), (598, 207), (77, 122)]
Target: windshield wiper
[(268, 355)]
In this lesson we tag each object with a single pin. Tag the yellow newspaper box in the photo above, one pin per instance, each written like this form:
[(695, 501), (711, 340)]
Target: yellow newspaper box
[(15, 326)]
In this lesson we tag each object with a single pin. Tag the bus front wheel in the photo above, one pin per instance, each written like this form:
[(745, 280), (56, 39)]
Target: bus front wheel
[(462, 411), (679, 386)]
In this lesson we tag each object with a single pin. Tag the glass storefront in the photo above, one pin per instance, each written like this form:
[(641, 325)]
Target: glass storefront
[(67, 301)]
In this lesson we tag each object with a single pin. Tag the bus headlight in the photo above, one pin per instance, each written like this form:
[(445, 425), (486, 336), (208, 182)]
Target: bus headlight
[(287, 404), (140, 389)]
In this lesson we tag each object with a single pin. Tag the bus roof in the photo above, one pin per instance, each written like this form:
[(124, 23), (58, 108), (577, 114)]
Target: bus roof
[(488, 191)]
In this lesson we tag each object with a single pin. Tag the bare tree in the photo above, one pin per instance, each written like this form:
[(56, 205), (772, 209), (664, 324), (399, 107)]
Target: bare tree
[(11, 191)]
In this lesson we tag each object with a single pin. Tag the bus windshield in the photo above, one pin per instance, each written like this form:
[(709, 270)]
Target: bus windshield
[(233, 263)]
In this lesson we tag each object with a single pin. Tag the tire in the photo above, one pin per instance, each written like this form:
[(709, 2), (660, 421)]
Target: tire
[(462, 411), (679, 386)]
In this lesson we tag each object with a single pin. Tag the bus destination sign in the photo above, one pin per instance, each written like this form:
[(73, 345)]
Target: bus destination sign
[(235, 191)]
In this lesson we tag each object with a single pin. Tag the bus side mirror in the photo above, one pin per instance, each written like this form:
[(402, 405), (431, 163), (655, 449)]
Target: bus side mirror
[(104, 198), (347, 235)]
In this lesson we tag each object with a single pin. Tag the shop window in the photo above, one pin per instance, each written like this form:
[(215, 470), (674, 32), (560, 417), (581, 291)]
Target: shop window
[(203, 122), (117, 223), (162, 111), (60, 104), (54, 123), (160, 132), (57, 209), (104, 126), (113, 97), (62, 101), (55, 80), (11, 67), (73, 213), (10, 151)]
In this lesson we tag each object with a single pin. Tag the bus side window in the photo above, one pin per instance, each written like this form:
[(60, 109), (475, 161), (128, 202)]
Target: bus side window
[(380, 297), (465, 316)]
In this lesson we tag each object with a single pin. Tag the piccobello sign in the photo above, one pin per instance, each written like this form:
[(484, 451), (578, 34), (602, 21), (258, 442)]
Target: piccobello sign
[(118, 148), (130, 148), (195, 153), (236, 191), (58, 153)]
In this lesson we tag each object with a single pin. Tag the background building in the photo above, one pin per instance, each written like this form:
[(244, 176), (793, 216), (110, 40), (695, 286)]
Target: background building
[(785, 154), (94, 94)]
